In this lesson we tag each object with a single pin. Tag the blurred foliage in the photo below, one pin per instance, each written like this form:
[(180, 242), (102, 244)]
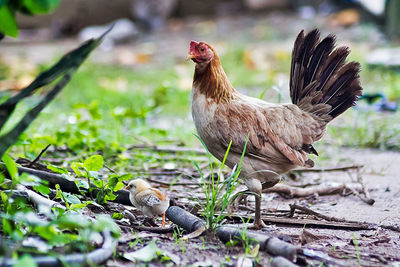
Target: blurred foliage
[(8, 9)]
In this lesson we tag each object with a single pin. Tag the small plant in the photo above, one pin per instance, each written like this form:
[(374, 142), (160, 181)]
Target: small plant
[(218, 193), (89, 169), (355, 242)]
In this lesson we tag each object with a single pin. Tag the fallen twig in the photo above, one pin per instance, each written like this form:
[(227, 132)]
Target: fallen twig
[(304, 192), (369, 226), (294, 207), (170, 149), (38, 156), (321, 190), (330, 169)]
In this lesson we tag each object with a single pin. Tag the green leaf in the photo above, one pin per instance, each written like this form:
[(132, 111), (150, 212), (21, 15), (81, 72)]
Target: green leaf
[(146, 254), (79, 169), (94, 163), (63, 70), (43, 189), (125, 177), (105, 222), (80, 206), (73, 221), (119, 186), (11, 166), (8, 25), (40, 6), (71, 198), (25, 261), (117, 216), (57, 169)]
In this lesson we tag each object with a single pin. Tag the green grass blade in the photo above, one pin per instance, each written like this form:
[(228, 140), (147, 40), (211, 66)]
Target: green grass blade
[(64, 68), (70, 61)]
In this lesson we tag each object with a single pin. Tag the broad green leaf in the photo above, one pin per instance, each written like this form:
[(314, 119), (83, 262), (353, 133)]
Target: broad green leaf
[(94, 163), (62, 71), (71, 198), (146, 254), (46, 231), (125, 177), (105, 222), (40, 6), (73, 221), (117, 216), (11, 166), (25, 261), (43, 189), (80, 206), (78, 169), (119, 186), (57, 169), (81, 184), (8, 25)]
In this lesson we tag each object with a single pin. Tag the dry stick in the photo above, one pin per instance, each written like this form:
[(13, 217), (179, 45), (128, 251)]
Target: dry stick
[(293, 207), (320, 190), (304, 192), (38, 157), (330, 169), (170, 184), (309, 222), (172, 149)]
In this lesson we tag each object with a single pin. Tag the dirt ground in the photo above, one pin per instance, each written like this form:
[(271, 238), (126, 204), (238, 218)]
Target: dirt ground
[(377, 247)]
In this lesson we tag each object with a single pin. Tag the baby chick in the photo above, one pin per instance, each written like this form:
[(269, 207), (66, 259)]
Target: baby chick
[(149, 200)]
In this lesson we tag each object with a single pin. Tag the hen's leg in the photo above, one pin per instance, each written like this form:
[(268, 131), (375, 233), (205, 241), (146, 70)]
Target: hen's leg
[(258, 223), (255, 186)]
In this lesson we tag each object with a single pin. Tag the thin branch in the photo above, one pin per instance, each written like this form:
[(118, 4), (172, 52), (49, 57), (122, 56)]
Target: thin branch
[(330, 169), (169, 149), (39, 156)]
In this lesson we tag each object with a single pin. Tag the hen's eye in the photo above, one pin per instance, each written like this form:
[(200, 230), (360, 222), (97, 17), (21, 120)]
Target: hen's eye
[(202, 49)]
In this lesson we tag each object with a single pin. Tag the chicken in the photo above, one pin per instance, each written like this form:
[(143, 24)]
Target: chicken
[(280, 136), (150, 201)]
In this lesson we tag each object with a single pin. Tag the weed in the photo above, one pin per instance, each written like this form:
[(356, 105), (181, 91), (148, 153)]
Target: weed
[(218, 193), (355, 242)]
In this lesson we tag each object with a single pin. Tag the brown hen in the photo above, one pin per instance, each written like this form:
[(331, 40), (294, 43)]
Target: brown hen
[(322, 86)]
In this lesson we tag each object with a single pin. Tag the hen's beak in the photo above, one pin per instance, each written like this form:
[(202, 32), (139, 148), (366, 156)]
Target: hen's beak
[(127, 187), (190, 56)]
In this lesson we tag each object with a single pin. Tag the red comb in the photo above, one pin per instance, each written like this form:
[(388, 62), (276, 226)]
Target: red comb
[(193, 45)]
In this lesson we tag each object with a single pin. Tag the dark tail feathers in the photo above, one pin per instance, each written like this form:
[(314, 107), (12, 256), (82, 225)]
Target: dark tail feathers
[(320, 81)]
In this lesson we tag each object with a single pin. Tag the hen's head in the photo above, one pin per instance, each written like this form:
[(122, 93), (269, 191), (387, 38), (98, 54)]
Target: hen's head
[(200, 52)]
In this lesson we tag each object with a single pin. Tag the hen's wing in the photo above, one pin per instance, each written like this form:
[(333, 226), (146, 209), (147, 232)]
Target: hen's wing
[(274, 130)]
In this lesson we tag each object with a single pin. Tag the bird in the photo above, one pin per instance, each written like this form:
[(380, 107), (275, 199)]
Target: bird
[(277, 137), (151, 201)]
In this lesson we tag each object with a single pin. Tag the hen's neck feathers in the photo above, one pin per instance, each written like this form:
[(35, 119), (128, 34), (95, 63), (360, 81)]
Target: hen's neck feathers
[(210, 79)]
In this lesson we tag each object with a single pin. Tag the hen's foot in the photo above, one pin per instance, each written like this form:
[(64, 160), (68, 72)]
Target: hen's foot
[(257, 225)]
